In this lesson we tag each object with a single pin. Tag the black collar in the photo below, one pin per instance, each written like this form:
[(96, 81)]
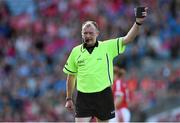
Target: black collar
[(85, 45), (89, 49)]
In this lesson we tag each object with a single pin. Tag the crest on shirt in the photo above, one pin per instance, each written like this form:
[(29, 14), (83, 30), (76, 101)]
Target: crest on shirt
[(81, 62)]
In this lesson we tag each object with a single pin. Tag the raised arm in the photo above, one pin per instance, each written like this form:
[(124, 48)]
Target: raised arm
[(133, 32)]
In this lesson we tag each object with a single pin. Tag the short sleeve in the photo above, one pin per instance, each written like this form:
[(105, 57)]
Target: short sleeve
[(70, 66), (115, 46)]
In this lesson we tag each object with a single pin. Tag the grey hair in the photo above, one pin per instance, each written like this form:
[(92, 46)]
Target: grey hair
[(88, 23)]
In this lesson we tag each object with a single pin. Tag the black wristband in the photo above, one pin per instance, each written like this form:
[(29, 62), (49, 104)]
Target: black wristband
[(68, 98), (139, 24)]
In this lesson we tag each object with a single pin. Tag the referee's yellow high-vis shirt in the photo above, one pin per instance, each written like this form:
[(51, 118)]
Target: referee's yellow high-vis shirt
[(94, 72)]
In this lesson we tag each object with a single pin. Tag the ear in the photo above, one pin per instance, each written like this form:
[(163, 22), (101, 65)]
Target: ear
[(97, 33)]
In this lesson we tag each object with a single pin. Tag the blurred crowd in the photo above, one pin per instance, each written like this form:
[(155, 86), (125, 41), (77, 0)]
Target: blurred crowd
[(36, 37)]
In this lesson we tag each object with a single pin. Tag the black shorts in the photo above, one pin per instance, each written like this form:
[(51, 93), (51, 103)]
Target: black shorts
[(99, 104)]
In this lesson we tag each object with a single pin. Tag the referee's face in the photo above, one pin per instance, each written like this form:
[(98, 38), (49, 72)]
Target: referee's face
[(89, 34)]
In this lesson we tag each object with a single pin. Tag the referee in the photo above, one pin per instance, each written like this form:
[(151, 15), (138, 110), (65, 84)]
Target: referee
[(91, 66)]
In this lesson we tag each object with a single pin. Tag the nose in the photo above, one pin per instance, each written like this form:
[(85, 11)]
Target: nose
[(87, 35)]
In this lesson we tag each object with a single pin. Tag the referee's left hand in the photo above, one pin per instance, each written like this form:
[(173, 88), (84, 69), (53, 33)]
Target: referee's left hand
[(141, 20)]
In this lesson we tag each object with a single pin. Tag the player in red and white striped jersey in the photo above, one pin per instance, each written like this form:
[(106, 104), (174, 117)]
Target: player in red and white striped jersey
[(120, 93)]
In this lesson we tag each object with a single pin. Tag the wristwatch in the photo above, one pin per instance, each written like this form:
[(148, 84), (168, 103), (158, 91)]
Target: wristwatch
[(68, 98), (139, 24)]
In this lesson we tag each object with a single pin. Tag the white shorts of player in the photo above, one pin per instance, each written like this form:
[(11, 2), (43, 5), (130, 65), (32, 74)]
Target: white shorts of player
[(124, 113)]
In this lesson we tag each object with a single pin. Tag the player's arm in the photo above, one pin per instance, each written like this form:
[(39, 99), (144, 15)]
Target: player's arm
[(118, 100), (133, 32)]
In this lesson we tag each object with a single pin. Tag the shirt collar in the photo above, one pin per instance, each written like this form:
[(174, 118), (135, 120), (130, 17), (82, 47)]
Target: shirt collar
[(96, 45)]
